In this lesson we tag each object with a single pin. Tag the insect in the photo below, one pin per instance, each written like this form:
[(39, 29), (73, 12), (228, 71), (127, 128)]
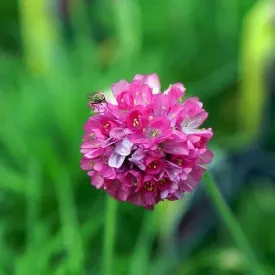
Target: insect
[(95, 99)]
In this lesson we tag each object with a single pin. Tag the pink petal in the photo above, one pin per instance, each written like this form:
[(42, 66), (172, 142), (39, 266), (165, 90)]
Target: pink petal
[(125, 100), (149, 198), (175, 148), (92, 153), (138, 159), (97, 181), (175, 92), (178, 195), (116, 160), (117, 133), (180, 135), (175, 114), (86, 164), (190, 145), (161, 104), (119, 87), (104, 170), (139, 77), (206, 157), (193, 102), (123, 148), (194, 139), (172, 170), (164, 194), (179, 86), (136, 199), (197, 120), (142, 95), (152, 80)]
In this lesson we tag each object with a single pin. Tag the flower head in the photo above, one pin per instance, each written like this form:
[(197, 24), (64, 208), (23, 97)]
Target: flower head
[(145, 146)]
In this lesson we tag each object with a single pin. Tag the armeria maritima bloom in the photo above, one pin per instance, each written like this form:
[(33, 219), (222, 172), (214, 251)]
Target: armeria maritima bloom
[(145, 146)]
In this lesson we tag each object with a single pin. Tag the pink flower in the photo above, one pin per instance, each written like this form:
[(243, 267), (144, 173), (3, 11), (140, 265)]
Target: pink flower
[(145, 146)]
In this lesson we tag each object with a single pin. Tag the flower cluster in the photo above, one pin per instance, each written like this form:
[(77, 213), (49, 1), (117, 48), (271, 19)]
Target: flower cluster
[(145, 146)]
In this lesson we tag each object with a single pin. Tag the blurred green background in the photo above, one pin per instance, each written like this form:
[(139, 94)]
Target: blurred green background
[(52, 54)]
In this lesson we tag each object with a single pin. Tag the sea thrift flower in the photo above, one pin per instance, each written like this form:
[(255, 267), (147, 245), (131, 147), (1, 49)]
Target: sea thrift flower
[(145, 146)]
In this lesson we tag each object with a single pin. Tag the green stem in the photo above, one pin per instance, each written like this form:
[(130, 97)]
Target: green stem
[(109, 236), (232, 224)]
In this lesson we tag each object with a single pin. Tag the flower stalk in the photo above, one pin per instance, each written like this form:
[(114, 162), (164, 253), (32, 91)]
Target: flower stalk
[(232, 224), (109, 236)]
